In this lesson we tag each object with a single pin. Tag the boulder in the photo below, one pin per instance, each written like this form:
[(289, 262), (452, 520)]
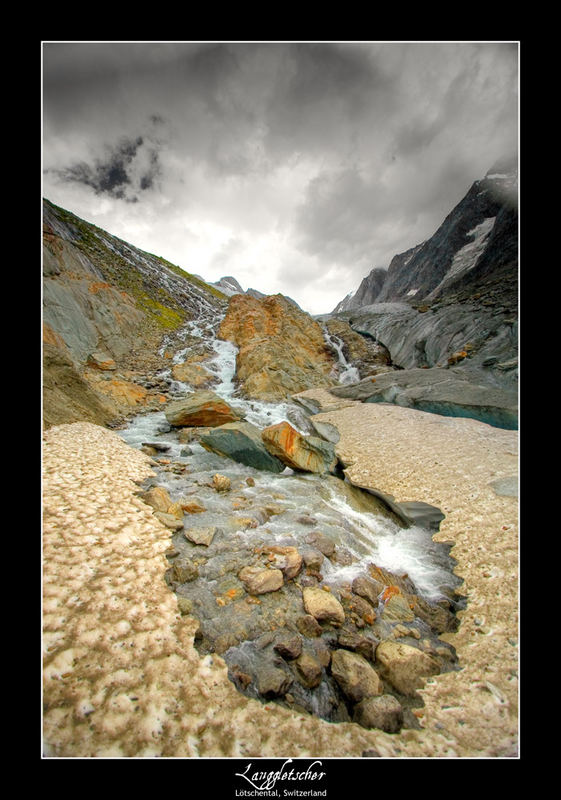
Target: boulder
[(405, 666), (200, 409), (241, 441), (221, 483), (184, 570), (384, 712), (299, 452), (322, 605), (288, 645), (258, 580), (169, 520), (356, 677), (158, 498), (271, 681), (287, 559), (193, 374), (202, 536), (368, 588), (308, 670)]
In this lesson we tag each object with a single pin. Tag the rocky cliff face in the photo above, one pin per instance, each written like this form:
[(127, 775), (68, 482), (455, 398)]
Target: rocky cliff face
[(476, 245), (282, 350), (453, 300), (104, 297)]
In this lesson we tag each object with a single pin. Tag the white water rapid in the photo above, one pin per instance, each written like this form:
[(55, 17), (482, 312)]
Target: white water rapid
[(365, 537)]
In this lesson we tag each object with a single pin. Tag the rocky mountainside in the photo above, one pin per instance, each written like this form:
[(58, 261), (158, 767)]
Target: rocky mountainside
[(106, 307), (452, 303), (472, 252), (282, 350)]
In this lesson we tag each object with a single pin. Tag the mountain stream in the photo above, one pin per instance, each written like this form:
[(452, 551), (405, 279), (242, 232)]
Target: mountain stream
[(341, 533)]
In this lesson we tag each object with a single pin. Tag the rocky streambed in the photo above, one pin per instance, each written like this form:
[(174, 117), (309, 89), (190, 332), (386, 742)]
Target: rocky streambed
[(317, 594)]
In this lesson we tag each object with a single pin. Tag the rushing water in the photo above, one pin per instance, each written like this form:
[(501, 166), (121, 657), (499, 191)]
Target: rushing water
[(368, 536), (265, 509)]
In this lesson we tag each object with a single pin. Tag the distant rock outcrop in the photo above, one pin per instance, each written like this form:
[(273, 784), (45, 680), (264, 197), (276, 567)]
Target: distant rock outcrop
[(476, 243), (282, 350), (101, 294)]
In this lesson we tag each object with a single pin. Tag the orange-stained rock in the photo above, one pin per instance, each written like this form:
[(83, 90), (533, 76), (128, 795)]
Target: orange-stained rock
[(101, 360), (200, 409), (306, 453), (282, 350)]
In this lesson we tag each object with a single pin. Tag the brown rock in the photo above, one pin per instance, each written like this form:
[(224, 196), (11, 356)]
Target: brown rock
[(288, 645), (257, 580), (308, 670), (322, 542), (193, 374), (368, 588), (356, 677), (383, 712), (101, 361), (221, 483), (202, 536), (287, 559), (282, 349), (299, 452), (200, 409), (158, 498), (192, 507), (323, 606), (308, 626), (169, 520), (405, 666)]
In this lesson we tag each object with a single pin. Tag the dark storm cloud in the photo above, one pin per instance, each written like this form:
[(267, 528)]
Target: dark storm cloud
[(314, 158), (121, 174)]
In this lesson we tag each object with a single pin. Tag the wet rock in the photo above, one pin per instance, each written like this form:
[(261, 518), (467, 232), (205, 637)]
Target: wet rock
[(323, 606), (287, 559), (160, 446), (313, 559), (363, 645), (397, 610), (404, 666), (383, 712), (157, 497), (193, 374), (321, 542), (305, 519), (356, 677), (169, 520), (184, 570), (221, 483), (367, 588), (241, 441), (205, 409), (342, 556), (184, 604), (288, 645), (308, 670), (176, 510), (202, 536), (257, 580), (304, 453), (271, 681), (308, 626), (362, 608), (192, 506)]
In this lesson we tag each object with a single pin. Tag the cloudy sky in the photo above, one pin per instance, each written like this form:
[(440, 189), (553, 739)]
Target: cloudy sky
[(296, 167)]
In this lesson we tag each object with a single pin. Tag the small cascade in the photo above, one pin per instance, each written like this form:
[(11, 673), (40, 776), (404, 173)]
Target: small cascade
[(346, 372)]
